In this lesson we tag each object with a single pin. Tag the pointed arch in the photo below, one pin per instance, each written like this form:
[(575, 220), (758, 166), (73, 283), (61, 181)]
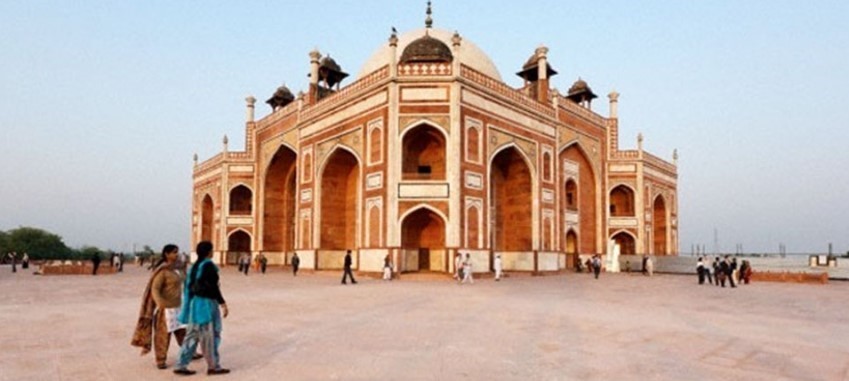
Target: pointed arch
[(660, 226), (423, 152), (207, 218), (511, 199), (622, 200), (423, 232), (279, 201), (626, 240), (585, 198), (339, 200), (241, 200), (239, 241)]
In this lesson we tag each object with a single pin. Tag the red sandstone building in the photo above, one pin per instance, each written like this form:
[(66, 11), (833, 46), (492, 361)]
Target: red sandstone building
[(426, 153)]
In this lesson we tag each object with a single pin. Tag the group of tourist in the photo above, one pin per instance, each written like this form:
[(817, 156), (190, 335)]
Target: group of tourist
[(12, 257), (185, 304), (463, 271), (724, 269)]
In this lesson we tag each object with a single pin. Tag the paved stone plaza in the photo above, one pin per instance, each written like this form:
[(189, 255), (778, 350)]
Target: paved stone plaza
[(564, 327)]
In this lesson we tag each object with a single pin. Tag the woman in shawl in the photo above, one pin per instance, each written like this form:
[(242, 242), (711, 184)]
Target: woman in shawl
[(161, 307)]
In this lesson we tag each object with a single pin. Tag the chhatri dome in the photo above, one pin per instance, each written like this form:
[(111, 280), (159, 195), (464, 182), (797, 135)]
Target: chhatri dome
[(470, 54)]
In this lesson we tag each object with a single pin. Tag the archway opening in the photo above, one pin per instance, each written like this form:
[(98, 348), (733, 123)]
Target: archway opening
[(206, 216), (278, 233), (583, 190), (339, 185), (424, 154), (238, 243), (511, 200), (423, 241), (241, 201), (659, 226), (622, 202), (626, 243), (571, 242)]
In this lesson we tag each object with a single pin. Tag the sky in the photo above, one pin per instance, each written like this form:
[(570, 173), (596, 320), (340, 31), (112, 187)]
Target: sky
[(104, 103)]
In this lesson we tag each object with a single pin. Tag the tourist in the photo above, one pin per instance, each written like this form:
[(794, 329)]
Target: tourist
[(387, 268), (746, 271), (296, 262), (498, 267), (700, 269), (467, 270), (730, 267), (596, 265), (201, 310), (458, 267), (645, 259), (25, 261), (649, 266), (160, 308), (589, 265), (708, 271), (347, 269), (14, 259), (245, 263), (95, 261), (263, 262), (735, 270), (718, 274), (120, 262)]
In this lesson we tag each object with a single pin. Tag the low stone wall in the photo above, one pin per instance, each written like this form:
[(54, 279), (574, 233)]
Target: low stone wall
[(74, 268), (797, 264), (786, 276)]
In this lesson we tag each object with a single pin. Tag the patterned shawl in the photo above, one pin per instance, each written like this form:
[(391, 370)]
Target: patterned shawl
[(143, 335)]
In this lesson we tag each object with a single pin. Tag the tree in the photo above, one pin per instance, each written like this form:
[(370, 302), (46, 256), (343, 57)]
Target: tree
[(38, 243)]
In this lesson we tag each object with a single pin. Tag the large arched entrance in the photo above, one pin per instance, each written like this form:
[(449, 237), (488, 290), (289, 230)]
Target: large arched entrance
[(659, 228), (238, 243), (206, 217), (512, 202), (423, 154), (241, 201), (571, 242), (423, 241), (580, 198), (278, 226), (626, 242), (339, 186)]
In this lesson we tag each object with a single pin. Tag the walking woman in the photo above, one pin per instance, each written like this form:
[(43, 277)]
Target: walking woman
[(161, 306)]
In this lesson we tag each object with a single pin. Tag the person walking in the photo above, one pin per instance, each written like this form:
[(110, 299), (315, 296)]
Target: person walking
[(296, 262), (497, 265), (14, 259), (596, 265), (263, 262), (95, 261), (202, 310), (458, 267), (746, 272), (700, 269), (387, 268), (246, 263), (347, 269), (160, 308), (735, 273), (731, 267), (467, 270), (649, 266), (25, 261), (718, 274), (708, 271)]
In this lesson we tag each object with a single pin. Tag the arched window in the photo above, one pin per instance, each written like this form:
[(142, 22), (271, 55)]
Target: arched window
[(571, 195), (622, 202), (424, 154), (241, 200)]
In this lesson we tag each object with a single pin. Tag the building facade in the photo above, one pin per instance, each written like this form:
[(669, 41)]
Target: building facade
[(428, 153)]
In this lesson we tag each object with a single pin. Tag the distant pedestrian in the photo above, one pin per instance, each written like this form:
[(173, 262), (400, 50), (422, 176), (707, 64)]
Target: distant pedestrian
[(596, 265), (746, 272), (14, 259), (95, 261), (202, 310), (25, 261), (730, 268), (120, 262), (296, 262), (387, 268), (458, 267), (735, 273), (467, 270), (263, 262), (718, 273), (708, 271), (700, 269), (645, 259), (245, 262), (589, 264), (347, 269), (649, 266), (497, 266)]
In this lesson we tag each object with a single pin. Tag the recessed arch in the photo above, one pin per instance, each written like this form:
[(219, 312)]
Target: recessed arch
[(660, 226), (511, 200), (239, 241), (206, 216), (622, 201), (626, 241), (423, 153), (586, 202), (423, 232), (571, 242), (279, 201), (340, 193), (241, 200)]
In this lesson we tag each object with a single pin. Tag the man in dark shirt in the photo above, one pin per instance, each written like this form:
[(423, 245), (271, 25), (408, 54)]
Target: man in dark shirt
[(347, 269), (296, 262), (95, 261)]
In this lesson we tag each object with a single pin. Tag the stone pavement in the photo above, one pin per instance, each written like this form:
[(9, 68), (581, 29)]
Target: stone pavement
[(564, 327)]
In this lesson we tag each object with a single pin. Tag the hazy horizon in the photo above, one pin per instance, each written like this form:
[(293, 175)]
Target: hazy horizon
[(105, 103)]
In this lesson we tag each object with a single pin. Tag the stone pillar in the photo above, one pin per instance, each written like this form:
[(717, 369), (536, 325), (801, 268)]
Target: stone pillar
[(614, 104), (315, 56), (542, 74), (249, 112), (456, 42), (393, 56)]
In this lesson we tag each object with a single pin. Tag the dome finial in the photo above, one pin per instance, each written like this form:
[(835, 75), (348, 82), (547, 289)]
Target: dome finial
[(429, 20)]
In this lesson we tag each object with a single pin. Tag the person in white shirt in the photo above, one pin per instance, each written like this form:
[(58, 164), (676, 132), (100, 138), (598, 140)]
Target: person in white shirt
[(497, 265), (467, 270), (458, 267), (649, 266)]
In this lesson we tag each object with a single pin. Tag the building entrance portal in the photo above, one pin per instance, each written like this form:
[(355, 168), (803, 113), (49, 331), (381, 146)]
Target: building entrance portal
[(278, 232), (238, 243), (423, 242), (511, 202)]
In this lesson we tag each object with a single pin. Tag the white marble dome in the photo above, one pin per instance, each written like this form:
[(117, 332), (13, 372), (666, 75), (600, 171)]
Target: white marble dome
[(470, 54)]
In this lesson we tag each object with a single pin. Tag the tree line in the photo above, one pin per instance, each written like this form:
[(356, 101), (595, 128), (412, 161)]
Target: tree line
[(41, 245)]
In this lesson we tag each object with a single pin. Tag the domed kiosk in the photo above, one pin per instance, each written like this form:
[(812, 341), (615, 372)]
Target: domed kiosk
[(428, 156)]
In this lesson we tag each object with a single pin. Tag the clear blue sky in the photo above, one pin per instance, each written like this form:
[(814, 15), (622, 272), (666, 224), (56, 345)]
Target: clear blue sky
[(104, 103)]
